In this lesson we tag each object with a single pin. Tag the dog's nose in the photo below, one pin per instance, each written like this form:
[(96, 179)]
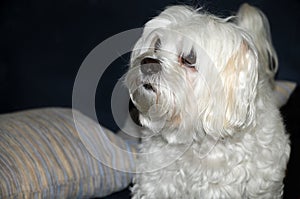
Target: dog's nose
[(150, 66)]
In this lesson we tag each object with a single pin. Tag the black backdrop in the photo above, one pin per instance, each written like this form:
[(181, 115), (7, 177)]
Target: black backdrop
[(43, 43)]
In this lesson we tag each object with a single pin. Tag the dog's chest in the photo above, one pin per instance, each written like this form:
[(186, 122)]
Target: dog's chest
[(192, 169)]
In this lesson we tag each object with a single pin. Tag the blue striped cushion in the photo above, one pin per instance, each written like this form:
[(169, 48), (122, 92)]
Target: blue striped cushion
[(282, 91), (42, 156)]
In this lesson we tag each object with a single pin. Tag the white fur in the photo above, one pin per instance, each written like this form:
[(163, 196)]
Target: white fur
[(213, 131)]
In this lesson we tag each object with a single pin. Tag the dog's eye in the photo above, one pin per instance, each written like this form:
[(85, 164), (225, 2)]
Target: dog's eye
[(189, 60), (157, 45)]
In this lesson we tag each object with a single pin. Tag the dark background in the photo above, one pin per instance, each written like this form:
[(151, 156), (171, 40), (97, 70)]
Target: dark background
[(43, 43)]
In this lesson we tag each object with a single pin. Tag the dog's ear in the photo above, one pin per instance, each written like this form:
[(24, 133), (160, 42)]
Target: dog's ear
[(240, 77), (231, 107), (256, 23)]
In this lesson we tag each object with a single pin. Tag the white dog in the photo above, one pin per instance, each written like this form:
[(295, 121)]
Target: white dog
[(203, 88)]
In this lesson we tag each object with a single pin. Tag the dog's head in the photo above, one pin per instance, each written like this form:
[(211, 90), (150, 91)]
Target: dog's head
[(193, 72)]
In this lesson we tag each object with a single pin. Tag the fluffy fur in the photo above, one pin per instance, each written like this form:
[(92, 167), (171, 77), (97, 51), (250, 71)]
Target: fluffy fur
[(203, 88)]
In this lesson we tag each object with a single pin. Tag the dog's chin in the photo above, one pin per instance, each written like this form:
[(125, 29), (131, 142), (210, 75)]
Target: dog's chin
[(159, 114), (144, 97), (153, 108)]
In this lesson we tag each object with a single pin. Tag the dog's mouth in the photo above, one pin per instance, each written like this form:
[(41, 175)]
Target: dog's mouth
[(149, 87), (144, 97)]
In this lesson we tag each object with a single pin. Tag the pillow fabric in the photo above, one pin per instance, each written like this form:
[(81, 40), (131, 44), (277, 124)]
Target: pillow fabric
[(42, 156), (283, 91)]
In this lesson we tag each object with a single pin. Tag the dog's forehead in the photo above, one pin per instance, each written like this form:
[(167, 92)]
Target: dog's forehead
[(182, 19), (195, 29), (180, 32), (189, 26)]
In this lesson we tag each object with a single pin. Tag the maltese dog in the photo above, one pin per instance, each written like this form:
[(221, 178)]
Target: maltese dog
[(203, 88)]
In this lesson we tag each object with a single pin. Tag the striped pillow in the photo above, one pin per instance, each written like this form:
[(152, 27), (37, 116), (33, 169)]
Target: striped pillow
[(282, 91), (42, 156)]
